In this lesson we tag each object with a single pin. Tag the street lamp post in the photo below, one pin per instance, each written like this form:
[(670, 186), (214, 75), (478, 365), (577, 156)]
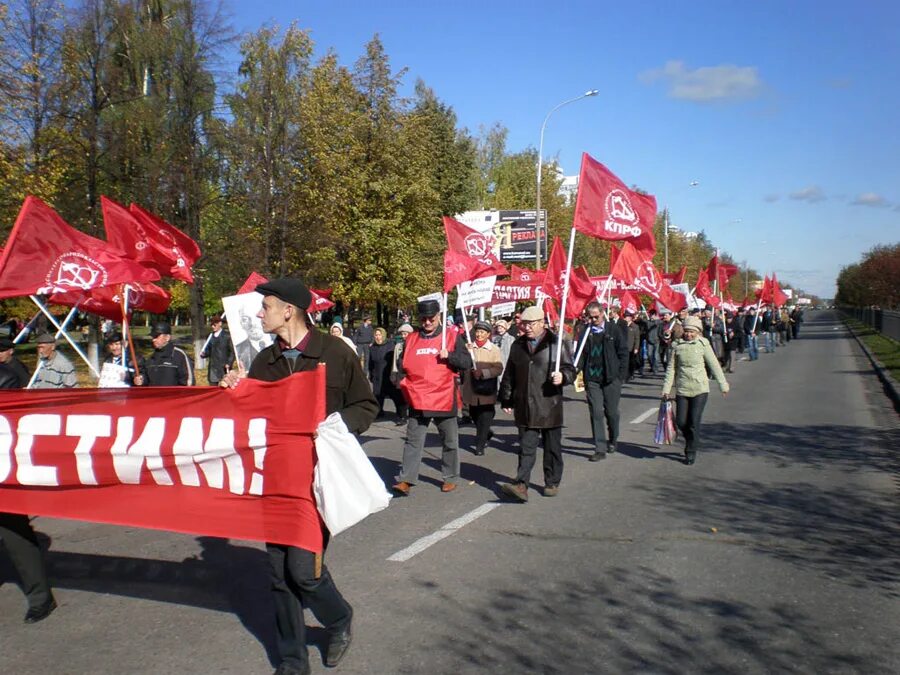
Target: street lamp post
[(693, 183), (537, 213)]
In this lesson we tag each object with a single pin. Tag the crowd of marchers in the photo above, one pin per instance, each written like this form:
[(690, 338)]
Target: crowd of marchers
[(434, 374)]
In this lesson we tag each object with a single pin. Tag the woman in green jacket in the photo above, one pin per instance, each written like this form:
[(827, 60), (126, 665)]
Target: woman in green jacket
[(687, 370)]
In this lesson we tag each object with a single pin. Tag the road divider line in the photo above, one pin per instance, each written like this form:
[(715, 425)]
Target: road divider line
[(640, 418), (450, 528)]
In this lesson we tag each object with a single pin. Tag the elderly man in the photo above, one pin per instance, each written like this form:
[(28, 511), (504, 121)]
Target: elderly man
[(428, 379), (16, 534), (219, 350), (299, 577), (168, 366), (532, 388), (117, 371), (54, 371)]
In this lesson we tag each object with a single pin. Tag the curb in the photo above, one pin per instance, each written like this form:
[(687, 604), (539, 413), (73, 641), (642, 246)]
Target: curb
[(891, 387)]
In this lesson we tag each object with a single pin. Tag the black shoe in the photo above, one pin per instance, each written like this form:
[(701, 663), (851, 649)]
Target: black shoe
[(40, 612), (478, 452), (610, 448), (490, 435), (338, 646), (690, 458), (597, 456), (291, 669)]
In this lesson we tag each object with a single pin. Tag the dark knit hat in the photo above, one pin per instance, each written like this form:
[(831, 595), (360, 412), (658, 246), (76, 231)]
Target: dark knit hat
[(292, 291)]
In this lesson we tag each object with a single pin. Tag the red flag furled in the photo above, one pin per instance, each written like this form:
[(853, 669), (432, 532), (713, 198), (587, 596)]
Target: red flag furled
[(764, 294), (779, 297), (150, 240), (463, 240), (524, 274), (719, 271), (633, 269), (704, 291), (606, 209), (46, 255), (555, 272), (233, 463), (106, 301)]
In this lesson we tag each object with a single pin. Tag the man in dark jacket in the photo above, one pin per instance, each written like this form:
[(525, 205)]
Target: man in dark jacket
[(299, 577), (532, 388), (652, 339), (604, 366), (751, 327), (363, 337), (168, 366), (218, 350), (428, 374), (16, 534)]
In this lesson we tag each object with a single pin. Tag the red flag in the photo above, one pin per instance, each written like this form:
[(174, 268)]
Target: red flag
[(779, 297), (322, 292), (460, 267), (463, 240), (606, 209), (150, 240), (44, 254), (106, 302), (629, 303), (678, 277), (524, 274), (613, 255), (703, 290), (764, 294), (719, 271), (319, 302), (555, 272), (581, 292), (254, 280), (633, 269)]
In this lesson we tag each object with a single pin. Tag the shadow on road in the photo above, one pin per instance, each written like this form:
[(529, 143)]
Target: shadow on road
[(627, 621)]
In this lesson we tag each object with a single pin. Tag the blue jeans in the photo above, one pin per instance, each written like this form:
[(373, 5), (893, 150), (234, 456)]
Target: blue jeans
[(752, 347), (651, 356)]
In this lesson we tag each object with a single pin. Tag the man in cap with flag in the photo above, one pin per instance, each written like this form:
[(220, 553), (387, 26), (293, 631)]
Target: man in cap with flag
[(299, 576), (428, 369), (532, 389)]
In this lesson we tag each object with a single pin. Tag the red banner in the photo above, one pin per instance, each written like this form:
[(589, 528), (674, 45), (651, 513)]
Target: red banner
[(514, 291), (234, 463)]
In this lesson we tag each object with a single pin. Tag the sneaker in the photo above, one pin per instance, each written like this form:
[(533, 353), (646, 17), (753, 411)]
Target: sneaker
[(517, 491), (401, 489), (551, 490)]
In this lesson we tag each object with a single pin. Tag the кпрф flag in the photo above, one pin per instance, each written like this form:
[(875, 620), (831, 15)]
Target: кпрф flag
[(631, 268), (464, 240), (606, 209), (45, 255)]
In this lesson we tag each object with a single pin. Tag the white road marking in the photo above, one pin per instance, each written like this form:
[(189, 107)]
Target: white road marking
[(640, 418), (418, 546)]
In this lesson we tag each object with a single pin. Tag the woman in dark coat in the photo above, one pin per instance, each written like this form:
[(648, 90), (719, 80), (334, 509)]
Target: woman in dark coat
[(381, 361)]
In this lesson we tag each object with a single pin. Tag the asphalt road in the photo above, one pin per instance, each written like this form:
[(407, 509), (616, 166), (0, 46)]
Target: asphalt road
[(778, 551)]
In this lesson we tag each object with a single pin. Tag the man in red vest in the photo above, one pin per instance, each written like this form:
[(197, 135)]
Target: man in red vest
[(428, 372)]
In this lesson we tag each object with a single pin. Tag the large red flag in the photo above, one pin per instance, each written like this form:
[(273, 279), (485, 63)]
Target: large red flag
[(633, 269), (629, 303), (460, 267), (613, 255), (253, 280), (463, 240), (524, 274), (704, 291), (581, 291), (779, 297), (678, 277), (606, 209), (555, 272), (106, 301), (46, 255), (719, 271), (150, 240)]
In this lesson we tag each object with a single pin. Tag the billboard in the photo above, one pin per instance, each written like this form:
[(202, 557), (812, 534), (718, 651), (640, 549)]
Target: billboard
[(513, 232)]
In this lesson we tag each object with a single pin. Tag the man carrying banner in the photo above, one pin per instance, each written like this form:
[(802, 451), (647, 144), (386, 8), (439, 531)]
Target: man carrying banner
[(533, 390), (115, 372), (604, 366), (299, 577), (168, 366), (428, 380), (16, 534), (54, 371), (219, 350)]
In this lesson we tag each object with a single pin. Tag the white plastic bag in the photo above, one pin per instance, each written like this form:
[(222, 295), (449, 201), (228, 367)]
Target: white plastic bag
[(346, 486)]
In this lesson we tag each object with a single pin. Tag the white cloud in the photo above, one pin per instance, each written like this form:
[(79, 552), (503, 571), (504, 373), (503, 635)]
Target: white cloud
[(870, 199), (811, 194), (771, 198), (709, 83)]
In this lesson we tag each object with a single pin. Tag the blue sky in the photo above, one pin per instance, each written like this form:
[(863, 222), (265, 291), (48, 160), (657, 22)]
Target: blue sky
[(786, 113)]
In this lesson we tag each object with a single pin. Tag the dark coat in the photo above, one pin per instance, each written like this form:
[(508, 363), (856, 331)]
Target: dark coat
[(169, 367), (526, 386), (20, 370), (9, 378), (220, 353), (381, 361), (615, 353), (346, 389)]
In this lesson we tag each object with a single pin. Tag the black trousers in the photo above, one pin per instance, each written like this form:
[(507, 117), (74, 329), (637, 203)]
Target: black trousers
[(21, 543), (483, 416), (688, 414), (603, 404), (297, 584), (551, 439)]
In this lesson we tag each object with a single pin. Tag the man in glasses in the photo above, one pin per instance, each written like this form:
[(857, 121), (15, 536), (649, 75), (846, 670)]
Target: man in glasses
[(428, 379), (604, 366), (532, 389)]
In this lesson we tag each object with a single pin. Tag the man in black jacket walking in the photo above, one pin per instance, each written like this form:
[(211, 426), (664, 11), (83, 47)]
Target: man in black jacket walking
[(218, 350), (532, 388), (604, 366), (168, 366)]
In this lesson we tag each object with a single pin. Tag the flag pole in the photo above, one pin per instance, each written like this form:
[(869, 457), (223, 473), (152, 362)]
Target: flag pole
[(587, 333), (55, 323), (444, 322), (25, 328), (36, 371), (565, 298), (126, 326)]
